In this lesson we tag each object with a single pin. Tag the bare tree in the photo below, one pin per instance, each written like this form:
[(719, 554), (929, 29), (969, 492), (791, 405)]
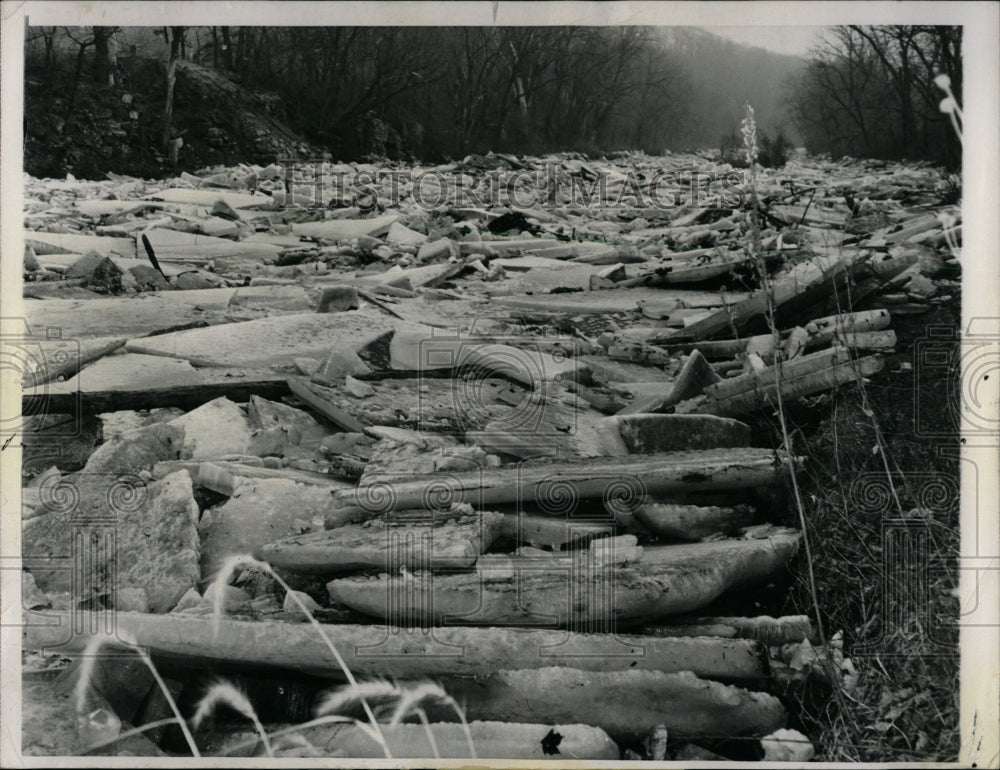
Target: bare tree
[(104, 64), (174, 36), (83, 43), (870, 91)]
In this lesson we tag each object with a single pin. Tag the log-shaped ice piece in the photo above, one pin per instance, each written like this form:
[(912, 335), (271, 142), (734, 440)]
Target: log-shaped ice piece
[(571, 591), (803, 286), (379, 650), (692, 522), (625, 704), (532, 529), (763, 392), (822, 332), (788, 628), (698, 269), (552, 486), (496, 740), (860, 321)]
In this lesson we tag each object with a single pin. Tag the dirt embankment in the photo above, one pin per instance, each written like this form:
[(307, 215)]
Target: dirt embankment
[(75, 126)]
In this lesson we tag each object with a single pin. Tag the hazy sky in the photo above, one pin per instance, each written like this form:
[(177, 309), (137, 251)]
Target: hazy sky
[(790, 40)]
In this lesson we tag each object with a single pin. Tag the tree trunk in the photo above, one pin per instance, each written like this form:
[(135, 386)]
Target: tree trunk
[(49, 37), (241, 43), (227, 49), (173, 36), (103, 69), (77, 73)]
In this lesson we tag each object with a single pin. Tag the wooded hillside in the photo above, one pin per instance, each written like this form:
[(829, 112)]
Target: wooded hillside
[(403, 93)]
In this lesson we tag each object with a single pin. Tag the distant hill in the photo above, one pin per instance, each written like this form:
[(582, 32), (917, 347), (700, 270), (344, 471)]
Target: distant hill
[(723, 76)]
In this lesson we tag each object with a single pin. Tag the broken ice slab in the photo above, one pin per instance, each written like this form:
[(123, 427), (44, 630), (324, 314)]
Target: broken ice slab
[(532, 262), (577, 432), (261, 511), (811, 214), (268, 342), (619, 300), (56, 360), (216, 227), (403, 236), (345, 229), (652, 433), (131, 371), (63, 243), (154, 524), (215, 429), (173, 245), (107, 317), (103, 208), (542, 280), (416, 277), (209, 197), (504, 247), (104, 387), (695, 375), (424, 348), (62, 262)]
